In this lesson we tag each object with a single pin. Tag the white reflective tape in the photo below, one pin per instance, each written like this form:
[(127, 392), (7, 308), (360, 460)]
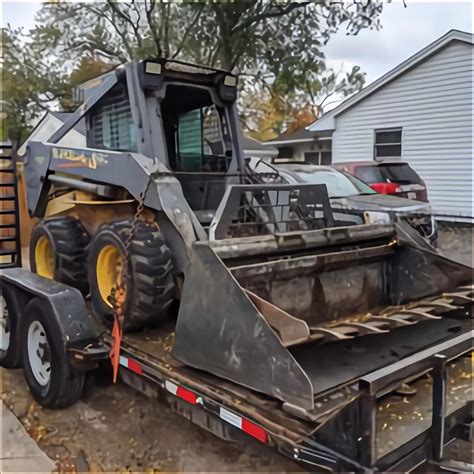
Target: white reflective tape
[(123, 361), (171, 387), (230, 418)]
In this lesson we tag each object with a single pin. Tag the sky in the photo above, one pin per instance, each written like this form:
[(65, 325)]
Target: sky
[(405, 30)]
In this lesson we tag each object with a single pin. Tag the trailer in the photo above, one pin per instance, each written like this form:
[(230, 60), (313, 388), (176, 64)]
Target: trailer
[(361, 420)]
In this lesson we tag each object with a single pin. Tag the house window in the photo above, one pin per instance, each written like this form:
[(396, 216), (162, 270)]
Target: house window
[(388, 143), (312, 157), (326, 157), (285, 152), (318, 157)]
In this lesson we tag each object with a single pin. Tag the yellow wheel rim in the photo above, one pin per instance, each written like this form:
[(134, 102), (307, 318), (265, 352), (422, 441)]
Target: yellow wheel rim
[(44, 258), (109, 261)]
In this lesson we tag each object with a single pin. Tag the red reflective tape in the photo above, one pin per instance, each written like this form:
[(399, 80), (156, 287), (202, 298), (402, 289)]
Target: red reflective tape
[(254, 430), (187, 395), (135, 367)]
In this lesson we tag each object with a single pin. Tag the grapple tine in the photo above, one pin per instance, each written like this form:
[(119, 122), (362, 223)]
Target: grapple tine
[(443, 304), (419, 313), (391, 322), (399, 319), (362, 328), (460, 295), (326, 335)]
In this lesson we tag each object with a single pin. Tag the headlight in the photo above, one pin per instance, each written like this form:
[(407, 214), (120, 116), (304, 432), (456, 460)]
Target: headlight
[(372, 217), (153, 68)]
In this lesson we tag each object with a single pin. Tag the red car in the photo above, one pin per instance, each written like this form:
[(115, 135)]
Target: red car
[(388, 177)]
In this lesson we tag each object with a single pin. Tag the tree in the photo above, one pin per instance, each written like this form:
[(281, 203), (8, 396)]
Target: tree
[(274, 44), (33, 83), (265, 115), (270, 111), (30, 83), (89, 67), (229, 34)]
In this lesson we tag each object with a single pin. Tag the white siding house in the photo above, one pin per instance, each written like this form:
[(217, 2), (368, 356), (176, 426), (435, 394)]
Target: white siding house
[(429, 98)]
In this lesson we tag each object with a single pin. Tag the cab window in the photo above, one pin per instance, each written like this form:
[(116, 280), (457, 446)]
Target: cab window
[(200, 143)]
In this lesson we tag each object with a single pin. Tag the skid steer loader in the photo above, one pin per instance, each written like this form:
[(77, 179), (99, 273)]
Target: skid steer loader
[(272, 296)]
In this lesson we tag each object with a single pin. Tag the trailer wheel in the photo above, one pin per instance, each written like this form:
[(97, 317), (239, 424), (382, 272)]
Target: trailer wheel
[(10, 354), (149, 288), (52, 381), (58, 251)]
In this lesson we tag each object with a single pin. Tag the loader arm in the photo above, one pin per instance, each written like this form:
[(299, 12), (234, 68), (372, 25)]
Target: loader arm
[(125, 171)]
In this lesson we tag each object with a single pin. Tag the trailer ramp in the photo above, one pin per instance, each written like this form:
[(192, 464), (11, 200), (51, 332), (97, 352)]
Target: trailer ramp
[(10, 246)]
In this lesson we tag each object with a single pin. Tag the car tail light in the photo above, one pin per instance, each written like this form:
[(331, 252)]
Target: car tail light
[(423, 194), (386, 188)]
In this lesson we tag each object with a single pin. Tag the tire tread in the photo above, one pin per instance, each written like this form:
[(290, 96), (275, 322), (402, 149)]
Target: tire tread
[(71, 241), (150, 270)]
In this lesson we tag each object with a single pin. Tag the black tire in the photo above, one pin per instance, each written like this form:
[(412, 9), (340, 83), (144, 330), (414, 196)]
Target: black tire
[(10, 355), (69, 241), (150, 287), (65, 384)]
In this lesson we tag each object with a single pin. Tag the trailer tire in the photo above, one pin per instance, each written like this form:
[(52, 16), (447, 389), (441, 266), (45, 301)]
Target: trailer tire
[(10, 354), (150, 287), (50, 378), (58, 250)]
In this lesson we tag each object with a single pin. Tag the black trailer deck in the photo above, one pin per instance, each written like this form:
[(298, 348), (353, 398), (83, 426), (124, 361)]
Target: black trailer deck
[(360, 422), (340, 370)]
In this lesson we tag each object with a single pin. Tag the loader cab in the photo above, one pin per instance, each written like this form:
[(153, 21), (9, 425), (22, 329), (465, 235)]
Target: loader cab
[(199, 146), (184, 115), (196, 131), (198, 120)]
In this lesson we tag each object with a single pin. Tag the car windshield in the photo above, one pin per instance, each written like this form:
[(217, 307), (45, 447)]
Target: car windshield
[(400, 173), (338, 184)]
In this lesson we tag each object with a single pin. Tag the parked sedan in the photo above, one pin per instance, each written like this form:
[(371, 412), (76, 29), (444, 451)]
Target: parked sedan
[(347, 191)]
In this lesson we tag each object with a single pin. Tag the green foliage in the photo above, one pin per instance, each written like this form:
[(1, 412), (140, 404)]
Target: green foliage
[(275, 46), (274, 109), (30, 83), (88, 68)]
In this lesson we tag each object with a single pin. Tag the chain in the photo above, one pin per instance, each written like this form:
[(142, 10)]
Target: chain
[(119, 289), (122, 264)]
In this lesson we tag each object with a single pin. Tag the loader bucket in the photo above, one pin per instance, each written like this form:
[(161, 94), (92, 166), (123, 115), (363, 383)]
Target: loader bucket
[(293, 305), (284, 318)]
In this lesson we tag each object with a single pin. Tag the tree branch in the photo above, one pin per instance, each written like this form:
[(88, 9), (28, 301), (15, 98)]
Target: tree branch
[(167, 25), (113, 5), (151, 24), (112, 21), (269, 14), (101, 49), (188, 31)]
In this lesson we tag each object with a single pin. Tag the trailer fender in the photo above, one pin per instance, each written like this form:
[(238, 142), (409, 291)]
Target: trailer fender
[(64, 304)]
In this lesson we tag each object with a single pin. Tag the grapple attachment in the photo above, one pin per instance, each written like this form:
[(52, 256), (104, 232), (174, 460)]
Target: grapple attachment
[(282, 313)]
